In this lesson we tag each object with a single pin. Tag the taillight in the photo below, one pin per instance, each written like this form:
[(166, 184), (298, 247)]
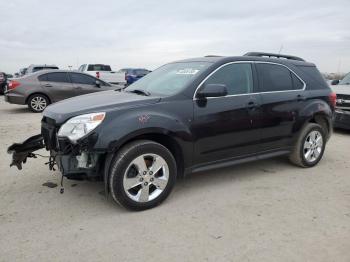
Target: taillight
[(13, 84), (333, 99), (97, 74), (126, 77)]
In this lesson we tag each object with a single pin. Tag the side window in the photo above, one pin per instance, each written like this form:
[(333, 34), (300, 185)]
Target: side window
[(274, 78), (82, 79), (57, 77), (238, 78), (42, 77)]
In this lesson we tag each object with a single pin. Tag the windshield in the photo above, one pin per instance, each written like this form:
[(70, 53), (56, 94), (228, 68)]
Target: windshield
[(169, 79), (346, 80)]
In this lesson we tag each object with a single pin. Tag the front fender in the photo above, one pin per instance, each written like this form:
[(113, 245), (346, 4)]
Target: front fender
[(122, 126)]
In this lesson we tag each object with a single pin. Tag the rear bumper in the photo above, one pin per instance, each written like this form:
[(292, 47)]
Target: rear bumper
[(341, 119), (15, 99)]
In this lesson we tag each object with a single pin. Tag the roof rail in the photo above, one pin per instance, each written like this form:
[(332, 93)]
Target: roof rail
[(212, 56), (261, 54)]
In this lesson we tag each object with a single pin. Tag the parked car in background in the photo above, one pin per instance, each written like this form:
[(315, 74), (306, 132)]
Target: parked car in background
[(342, 113), (23, 71), (3, 82), (188, 116), (103, 72), (42, 88), (134, 74), (34, 68)]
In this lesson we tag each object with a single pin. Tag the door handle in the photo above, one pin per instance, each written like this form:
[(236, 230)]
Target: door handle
[(78, 87), (48, 85), (301, 98), (252, 105)]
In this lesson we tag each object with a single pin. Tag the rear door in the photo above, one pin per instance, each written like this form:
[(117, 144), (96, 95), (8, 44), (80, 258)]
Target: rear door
[(282, 96), (227, 127), (57, 85)]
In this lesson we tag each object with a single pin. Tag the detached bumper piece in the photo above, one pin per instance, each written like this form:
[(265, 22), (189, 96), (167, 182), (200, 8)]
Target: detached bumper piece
[(21, 151)]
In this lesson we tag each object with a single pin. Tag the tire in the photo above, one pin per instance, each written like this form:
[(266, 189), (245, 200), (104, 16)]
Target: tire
[(131, 179), (2, 89), (38, 102), (308, 150)]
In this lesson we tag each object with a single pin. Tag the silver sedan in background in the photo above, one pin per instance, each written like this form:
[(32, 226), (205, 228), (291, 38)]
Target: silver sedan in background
[(42, 88)]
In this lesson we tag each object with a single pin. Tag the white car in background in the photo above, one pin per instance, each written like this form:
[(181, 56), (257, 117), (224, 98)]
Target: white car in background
[(342, 112), (104, 72)]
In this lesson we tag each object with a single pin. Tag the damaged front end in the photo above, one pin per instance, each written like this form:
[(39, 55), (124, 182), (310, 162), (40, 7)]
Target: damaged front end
[(76, 161)]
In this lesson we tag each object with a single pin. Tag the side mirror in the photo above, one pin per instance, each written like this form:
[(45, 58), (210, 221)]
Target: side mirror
[(98, 83), (212, 90), (335, 82)]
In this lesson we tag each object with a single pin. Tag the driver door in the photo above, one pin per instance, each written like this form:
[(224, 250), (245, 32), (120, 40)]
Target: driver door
[(227, 127)]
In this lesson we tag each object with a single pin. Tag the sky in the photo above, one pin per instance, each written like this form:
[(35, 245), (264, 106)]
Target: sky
[(151, 33)]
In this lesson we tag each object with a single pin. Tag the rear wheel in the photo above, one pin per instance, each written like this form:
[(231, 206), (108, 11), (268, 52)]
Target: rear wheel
[(37, 103), (310, 146), (142, 175)]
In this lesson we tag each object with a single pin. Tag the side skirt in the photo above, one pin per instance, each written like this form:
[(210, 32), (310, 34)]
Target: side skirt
[(236, 161)]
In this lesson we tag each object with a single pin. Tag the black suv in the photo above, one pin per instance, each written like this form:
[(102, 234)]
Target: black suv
[(188, 116)]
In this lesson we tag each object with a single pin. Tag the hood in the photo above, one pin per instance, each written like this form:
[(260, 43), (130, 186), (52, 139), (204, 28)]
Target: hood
[(96, 102), (341, 89)]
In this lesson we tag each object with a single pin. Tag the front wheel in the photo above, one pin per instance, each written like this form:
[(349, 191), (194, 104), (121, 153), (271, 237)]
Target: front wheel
[(310, 146), (37, 103), (142, 175)]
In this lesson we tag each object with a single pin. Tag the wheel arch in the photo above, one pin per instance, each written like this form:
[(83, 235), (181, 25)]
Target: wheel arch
[(318, 112), (159, 136), (38, 93)]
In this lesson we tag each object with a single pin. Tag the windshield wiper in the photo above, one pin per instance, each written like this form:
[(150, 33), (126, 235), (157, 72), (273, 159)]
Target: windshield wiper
[(140, 92)]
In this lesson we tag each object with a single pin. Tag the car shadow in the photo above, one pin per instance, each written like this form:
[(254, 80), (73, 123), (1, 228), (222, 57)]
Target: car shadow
[(17, 110), (241, 172), (342, 131)]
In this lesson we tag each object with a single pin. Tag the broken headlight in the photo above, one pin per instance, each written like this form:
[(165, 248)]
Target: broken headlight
[(79, 126)]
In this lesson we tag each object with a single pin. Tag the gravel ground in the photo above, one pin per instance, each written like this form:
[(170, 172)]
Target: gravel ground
[(263, 211)]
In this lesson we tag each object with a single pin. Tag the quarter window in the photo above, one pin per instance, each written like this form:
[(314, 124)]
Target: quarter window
[(297, 84), (238, 78), (277, 78)]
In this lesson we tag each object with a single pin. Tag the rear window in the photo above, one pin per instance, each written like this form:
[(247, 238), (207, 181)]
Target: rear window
[(38, 68), (141, 72), (98, 67), (345, 80)]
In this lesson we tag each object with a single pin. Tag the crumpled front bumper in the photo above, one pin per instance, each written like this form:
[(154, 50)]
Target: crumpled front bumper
[(74, 161), (21, 151)]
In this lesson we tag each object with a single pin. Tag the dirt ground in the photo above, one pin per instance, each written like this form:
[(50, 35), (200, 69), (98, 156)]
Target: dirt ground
[(262, 211)]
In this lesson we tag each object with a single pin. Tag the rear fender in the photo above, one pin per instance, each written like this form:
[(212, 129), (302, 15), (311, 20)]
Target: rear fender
[(317, 108)]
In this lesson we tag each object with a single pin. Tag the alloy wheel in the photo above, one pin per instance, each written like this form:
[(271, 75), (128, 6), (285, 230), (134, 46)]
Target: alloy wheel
[(38, 103), (146, 177), (313, 146)]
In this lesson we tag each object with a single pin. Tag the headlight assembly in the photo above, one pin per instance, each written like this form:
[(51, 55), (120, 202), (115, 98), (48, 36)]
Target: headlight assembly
[(79, 126)]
